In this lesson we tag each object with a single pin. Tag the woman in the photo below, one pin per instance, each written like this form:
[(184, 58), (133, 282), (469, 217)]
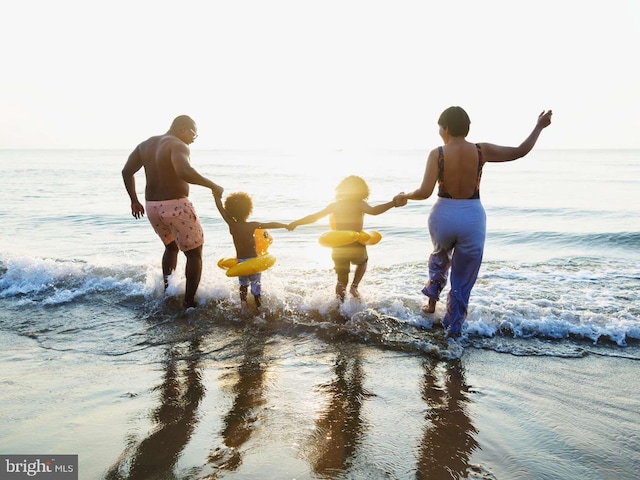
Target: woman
[(457, 222)]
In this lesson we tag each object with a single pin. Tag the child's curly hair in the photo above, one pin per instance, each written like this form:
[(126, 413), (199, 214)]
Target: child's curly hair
[(352, 188), (239, 206)]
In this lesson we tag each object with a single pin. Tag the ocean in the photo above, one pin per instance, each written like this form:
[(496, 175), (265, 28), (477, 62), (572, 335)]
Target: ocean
[(97, 361)]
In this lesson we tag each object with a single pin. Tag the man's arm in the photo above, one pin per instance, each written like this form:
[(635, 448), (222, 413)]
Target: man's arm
[(182, 166), (134, 163)]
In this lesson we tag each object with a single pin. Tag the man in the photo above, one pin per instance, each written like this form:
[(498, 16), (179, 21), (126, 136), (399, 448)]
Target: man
[(165, 159)]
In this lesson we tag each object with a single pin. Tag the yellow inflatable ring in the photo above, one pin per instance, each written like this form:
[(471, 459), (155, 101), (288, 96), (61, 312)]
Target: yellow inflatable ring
[(254, 265), (369, 238), (248, 267), (340, 238), (227, 263)]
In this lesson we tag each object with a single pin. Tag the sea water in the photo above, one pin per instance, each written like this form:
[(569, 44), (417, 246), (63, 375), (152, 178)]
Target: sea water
[(97, 361), (562, 256)]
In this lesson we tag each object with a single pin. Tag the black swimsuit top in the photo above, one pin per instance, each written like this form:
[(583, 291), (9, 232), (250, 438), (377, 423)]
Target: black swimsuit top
[(442, 191)]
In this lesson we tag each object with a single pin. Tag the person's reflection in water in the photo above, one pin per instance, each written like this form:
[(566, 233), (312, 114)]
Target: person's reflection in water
[(339, 427), (180, 394), (448, 438), (248, 404)]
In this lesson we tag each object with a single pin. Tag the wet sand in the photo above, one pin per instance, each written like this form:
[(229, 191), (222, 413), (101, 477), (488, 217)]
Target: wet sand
[(249, 402)]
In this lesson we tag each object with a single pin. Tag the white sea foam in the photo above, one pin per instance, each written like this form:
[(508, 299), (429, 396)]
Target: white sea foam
[(566, 306), (556, 267)]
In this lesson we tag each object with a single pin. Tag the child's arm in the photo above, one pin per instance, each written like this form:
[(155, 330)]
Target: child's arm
[(314, 217), (223, 212), (268, 225), (378, 209)]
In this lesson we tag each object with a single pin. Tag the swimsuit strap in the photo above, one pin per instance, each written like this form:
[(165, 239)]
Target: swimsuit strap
[(440, 164), (476, 194), (442, 191), (480, 160)]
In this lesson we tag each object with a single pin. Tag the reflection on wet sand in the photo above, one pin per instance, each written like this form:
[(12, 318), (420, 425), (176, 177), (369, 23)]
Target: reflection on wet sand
[(339, 427), (180, 394), (448, 439), (248, 404)]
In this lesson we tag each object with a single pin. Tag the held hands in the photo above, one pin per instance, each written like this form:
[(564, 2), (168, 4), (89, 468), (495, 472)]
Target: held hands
[(400, 200), (544, 119), (217, 190)]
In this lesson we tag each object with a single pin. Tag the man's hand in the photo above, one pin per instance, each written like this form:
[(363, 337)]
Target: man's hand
[(137, 210), (217, 190)]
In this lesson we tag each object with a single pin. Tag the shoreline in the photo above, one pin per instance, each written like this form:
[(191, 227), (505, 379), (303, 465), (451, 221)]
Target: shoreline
[(238, 403)]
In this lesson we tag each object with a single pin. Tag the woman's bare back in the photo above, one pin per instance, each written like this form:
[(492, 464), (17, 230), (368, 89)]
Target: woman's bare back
[(461, 173)]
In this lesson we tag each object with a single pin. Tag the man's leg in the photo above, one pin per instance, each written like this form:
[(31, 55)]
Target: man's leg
[(193, 272), (169, 261)]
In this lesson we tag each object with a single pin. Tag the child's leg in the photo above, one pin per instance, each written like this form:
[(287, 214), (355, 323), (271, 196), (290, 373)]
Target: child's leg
[(342, 266), (357, 277), (341, 286), (243, 296), (256, 288), (244, 288)]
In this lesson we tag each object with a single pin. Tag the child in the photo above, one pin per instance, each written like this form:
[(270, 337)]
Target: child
[(237, 208), (347, 213)]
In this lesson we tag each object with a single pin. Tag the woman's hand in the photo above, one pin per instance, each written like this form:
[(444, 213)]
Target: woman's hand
[(400, 200), (544, 119)]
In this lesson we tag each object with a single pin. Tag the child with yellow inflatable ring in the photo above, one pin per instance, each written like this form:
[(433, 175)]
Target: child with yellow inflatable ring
[(347, 213), (235, 211)]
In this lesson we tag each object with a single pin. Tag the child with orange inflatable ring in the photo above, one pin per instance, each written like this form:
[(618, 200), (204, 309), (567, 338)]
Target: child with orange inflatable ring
[(251, 241)]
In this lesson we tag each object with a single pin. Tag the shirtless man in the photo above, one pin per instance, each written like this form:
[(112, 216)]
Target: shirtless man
[(165, 159)]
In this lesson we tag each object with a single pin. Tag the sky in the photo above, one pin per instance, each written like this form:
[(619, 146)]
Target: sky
[(317, 74)]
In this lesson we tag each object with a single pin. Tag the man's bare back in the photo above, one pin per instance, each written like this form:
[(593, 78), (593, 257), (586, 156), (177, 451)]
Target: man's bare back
[(160, 155)]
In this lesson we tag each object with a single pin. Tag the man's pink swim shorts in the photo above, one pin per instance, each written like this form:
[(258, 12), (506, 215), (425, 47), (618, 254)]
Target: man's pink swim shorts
[(176, 220)]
